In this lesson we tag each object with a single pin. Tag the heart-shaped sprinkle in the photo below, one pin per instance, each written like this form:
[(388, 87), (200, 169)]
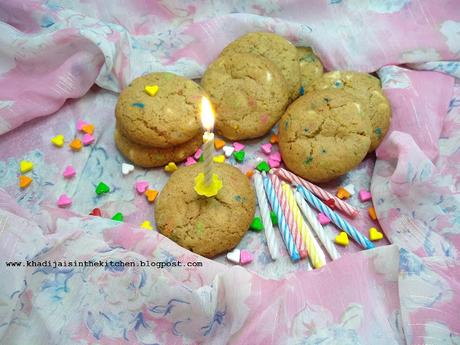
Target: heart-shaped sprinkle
[(25, 166), (323, 219), (126, 168), (151, 90), (228, 150), (151, 195), (102, 188), (372, 213), (257, 224), (342, 193), (274, 218), (96, 212), (75, 145), (274, 139), (266, 148), (274, 164), (375, 235), (350, 188), (219, 159), (263, 166), (201, 159), (118, 217), (69, 172), (80, 124), (88, 128), (64, 201), (245, 257), (342, 239), (24, 181), (219, 143), (171, 167), (238, 146), (239, 156), (234, 256), (330, 203), (365, 195), (190, 161), (249, 173), (141, 186), (197, 154), (87, 139), (58, 140), (146, 225), (275, 156)]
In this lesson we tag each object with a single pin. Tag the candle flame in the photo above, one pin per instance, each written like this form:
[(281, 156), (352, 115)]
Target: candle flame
[(207, 114)]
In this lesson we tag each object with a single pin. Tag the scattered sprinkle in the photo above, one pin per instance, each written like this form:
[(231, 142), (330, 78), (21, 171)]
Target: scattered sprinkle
[(372, 213), (257, 224), (69, 172), (338, 83), (126, 168), (234, 256), (102, 188), (64, 201), (238, 146), (228, 150), (141, 186), (118, 217), (171, 167), (96, 212), (138, 105), (276, 156), (342, 239), (274, 139), (378, 132), (330, 203), (245, 257), (197, 154), (323, 219), (201, 159), (263, 166), (375, 235), (239, 156), (190, 161), (151, 195), (25, 166), (24, 181), (151, 90), (249, 173), (219, 143), (146, 225), (274, 163), (274, 218), (58, 140), (302, 90), (266, 148), (365, 195), (87, 139), (219, 159), (342, 193), (75, 145), (80, 124), (88, 128)]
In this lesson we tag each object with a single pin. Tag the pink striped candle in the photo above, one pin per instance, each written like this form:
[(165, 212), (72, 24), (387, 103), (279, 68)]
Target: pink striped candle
[(299, 242), (319, 192)]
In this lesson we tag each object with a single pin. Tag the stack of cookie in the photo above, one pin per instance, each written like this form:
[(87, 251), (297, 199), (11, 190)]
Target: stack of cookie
[(158, 119)]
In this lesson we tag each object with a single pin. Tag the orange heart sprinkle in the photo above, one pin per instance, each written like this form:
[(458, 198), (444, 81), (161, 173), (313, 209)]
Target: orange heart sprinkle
[(151, 194), (75, 145), (219, 143), (24, 181), (249, 173), (274, 139), (342, 193), (88, 128)]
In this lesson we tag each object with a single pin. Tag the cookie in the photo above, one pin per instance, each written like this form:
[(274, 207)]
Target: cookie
[(275, 48), (310, 66), (206, 226), (149, 156), (323, 135), (367, 89), (169, 118), (248, 92)]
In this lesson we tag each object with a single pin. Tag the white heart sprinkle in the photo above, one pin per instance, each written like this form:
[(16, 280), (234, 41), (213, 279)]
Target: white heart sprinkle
[(228, 150), (234, 256), (350, 188), (126, 168)]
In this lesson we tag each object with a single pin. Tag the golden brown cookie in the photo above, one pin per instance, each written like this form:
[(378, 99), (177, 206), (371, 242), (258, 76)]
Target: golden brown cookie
[(206, 226), (169, 118), (310, 66), (367, 89), (149, 156), (275, 48), (323, 135), (248, 92)]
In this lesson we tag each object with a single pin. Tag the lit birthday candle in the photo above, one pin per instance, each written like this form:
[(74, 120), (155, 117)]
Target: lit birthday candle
[(207, 183)]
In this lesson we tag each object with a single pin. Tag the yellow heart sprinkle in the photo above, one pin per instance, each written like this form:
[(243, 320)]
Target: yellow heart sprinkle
[(375, 235), (58, 140), (151, 90), (25, 166), (146, 225), (342, 239), (219, 159), (171, 167)]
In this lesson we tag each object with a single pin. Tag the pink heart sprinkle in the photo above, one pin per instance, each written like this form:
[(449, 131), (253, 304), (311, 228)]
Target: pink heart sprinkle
[(141, 186), (245, 257), (64, 201), (273, 163), (197, 154), (323, 219), (266, 148), (190, 161), (365, 195), (80, 124), (238, 146), (275, 156), (87, 139), (69, 172)]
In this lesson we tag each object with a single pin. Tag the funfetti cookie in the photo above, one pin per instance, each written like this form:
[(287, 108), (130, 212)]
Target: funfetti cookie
[(275, 48), (367, 88), (323, 135), (206, 226), (160, 110), (149, 156), (311, 67), (249, 94)]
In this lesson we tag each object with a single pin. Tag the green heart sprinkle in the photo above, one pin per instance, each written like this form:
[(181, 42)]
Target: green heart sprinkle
[(263, 166), (118, 217), (239, 156), (102, 188), (274, 218), (201, 158), (256, 224)]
